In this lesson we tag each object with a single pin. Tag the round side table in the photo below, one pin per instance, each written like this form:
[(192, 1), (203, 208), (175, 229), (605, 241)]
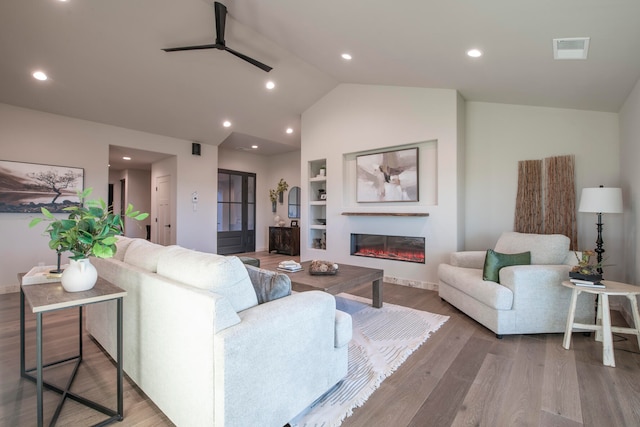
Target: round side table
[(603, 326)]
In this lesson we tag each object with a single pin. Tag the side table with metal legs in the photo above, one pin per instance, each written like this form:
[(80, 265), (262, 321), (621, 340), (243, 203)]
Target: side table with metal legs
[(49, 297)]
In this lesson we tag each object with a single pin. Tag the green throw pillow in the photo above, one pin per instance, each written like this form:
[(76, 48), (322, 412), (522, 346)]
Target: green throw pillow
[(494, 261)]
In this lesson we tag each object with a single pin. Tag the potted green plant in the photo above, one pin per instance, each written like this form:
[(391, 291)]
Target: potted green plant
[(89, 230), (273, 196), (282, 187), (586, 270)]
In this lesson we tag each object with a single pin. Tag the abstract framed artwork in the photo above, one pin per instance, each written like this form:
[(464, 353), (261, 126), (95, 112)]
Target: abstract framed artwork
[(27, 187), (388, 176)]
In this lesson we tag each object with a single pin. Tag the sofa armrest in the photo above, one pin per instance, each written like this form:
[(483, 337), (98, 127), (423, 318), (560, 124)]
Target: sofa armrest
[(281, 356), (535, 283), (468, 259), (344, 329)]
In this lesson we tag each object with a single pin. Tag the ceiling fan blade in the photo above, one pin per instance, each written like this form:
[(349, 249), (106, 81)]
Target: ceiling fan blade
[(249, 60), (221, 17), (204, 46)]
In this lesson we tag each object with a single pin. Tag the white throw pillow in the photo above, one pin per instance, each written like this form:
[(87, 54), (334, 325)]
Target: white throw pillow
[(545, 248), (223, 275), (144, 254)]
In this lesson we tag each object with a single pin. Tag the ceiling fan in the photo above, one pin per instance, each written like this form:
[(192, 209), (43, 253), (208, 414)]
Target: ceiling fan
[(221, 16)]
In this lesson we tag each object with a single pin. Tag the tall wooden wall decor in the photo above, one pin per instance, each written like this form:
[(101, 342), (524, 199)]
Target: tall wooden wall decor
[(528, 214), (546, 203), (560, 198)]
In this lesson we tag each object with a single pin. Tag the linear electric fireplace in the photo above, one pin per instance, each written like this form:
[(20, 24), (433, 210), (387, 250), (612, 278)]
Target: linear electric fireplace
[(398, 248)]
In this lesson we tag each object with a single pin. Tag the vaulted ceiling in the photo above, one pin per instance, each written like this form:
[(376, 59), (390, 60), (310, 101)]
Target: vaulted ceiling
[(105, 63)]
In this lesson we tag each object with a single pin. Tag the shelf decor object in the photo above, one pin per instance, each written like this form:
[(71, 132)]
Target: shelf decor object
[(600, 200)]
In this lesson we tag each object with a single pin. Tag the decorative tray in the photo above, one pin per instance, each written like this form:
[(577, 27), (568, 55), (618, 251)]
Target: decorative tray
[(322, 268), (323, 273), (40, 274)]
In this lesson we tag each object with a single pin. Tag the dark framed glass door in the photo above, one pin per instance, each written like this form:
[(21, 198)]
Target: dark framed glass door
[(236, 212)]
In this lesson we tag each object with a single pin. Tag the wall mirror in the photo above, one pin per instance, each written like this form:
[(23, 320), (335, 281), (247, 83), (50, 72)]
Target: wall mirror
[(294, 202)]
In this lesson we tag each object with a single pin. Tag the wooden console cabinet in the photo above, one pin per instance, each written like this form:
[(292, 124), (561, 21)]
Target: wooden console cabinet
[(284, 240)]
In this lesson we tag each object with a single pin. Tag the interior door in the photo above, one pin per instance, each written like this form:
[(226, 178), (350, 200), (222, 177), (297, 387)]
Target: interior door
[(163, 200), (236, 212)]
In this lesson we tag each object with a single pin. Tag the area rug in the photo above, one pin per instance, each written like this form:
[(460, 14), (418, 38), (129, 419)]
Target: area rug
[(383, 338)]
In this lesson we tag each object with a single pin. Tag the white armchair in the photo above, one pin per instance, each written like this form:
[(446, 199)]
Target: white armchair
[(529, 299)]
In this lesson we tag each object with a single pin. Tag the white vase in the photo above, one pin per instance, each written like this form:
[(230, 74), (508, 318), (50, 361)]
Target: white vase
[(79, 276)]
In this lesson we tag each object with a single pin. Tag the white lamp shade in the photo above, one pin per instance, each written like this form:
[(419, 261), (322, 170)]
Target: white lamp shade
[(601, 200)]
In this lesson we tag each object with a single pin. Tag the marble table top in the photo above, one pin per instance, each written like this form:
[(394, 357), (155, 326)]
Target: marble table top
[(52, 296)]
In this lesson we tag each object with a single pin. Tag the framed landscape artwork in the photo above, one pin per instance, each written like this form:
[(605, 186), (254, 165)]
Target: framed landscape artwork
[(26, 187), (389, 176)]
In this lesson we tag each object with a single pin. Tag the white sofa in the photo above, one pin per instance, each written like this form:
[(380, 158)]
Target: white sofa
[(199, 344), (528, 299)]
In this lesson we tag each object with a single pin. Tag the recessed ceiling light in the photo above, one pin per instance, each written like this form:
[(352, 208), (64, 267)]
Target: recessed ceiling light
[(39, 75), (126, 158), (474, 53), (226, 123), (289, 130), (270, 85), (346, 56), (255, 147)]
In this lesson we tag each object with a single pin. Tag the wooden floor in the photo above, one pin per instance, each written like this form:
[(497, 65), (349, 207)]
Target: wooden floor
[(462, 376)]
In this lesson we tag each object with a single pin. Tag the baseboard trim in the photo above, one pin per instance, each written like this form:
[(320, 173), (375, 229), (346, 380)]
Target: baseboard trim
[(411, 283), (9, 288)]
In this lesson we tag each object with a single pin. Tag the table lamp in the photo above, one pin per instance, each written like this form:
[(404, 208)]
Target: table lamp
[(600, 200)]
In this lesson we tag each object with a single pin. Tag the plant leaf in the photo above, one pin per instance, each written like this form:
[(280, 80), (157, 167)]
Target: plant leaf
[(34, 222)]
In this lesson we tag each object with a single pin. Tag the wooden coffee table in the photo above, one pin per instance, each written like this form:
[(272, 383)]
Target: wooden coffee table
[(348, 277)]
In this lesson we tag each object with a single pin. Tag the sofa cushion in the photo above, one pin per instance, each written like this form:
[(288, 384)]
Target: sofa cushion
[(144, 254), (544, 248), (269, 285), (494, 261), (122, 243), (226, 276), (469, 281)]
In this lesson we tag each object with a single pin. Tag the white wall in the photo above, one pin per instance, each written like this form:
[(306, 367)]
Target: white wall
[(32, 136), (138, 194), (268, 170), (354, 118), (500, 135), (630, 180)]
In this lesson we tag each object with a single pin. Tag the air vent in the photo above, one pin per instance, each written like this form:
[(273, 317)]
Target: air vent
[(571, 48)]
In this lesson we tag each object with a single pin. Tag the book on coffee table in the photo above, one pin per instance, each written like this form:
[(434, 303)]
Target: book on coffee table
[(289, 266), (290, 270)]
